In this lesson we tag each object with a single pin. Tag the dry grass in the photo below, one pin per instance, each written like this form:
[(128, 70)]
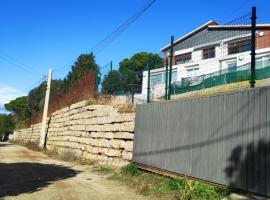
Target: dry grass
[(160, 187), (125, 108), (67, 155), (28, 144), (83, 89)]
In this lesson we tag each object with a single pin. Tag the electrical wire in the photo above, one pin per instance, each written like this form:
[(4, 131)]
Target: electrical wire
[(116, 33), (18, 64), (243, 4)]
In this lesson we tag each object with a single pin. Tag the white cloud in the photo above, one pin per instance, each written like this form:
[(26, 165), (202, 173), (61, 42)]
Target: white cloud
[(8, 93)]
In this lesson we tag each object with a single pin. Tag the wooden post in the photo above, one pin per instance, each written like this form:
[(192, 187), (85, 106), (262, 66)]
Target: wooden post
[(45, 112)]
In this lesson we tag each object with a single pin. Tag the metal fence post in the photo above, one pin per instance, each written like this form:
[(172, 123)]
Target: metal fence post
[(170, 73), (111, 79), (166, 80), (132, 86), (148, 81), (253, 49)]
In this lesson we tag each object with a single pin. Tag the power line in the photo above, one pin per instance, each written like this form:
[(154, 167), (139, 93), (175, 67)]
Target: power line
[(117, 32), (15, 62), (37, 83), (244, 3), (18, 66)]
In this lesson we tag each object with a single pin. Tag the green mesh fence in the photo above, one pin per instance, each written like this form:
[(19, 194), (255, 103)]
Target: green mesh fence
[(235, 74)]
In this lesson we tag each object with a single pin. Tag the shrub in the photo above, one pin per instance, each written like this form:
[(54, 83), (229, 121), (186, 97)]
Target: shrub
[(68, 155), (130, 169)]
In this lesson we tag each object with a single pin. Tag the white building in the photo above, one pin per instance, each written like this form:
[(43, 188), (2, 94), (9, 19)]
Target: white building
[(205, 51)]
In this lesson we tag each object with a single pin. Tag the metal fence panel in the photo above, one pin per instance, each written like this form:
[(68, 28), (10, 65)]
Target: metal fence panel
[(222, 139)]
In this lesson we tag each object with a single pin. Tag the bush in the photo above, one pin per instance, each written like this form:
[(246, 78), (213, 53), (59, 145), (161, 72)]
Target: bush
[(131, 170), (176, 184), (68, 155)]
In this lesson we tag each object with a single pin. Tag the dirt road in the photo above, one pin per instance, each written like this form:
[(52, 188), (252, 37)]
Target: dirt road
[(30, 175)]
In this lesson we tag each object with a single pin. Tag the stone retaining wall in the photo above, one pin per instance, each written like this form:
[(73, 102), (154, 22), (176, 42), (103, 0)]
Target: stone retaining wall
[(95, 132)]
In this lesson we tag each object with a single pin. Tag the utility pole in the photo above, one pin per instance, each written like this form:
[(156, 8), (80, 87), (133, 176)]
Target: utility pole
[(45, 111), (170, 72), (253, 48)]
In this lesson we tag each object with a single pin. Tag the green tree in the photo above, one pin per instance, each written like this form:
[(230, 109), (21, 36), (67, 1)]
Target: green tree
[(36, 98), (131, 68), (6, 125), (24, 107), (20, 109), (83, 64), (112, 83)]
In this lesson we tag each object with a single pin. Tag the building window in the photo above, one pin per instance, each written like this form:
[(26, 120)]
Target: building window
[(174, 76), (192, 72), (156, 79), (183, 58), (239, 46), (209, 52), (231, 66)]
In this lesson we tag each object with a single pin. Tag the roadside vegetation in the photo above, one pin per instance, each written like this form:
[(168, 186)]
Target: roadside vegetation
[(6, 125), (82, 83), (161, 187), (145, 183)]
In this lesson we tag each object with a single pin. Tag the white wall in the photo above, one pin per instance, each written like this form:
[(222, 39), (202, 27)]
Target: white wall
[(206, 66)]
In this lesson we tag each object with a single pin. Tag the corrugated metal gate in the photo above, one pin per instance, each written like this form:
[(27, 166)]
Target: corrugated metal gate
[(224, 138)]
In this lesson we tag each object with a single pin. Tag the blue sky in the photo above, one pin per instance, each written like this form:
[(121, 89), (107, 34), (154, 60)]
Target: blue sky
[(53, 33)]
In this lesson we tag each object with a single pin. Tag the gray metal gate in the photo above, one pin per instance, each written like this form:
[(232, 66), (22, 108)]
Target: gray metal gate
[(224, 138)]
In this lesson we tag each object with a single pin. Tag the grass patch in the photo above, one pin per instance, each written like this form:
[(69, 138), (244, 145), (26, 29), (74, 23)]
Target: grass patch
[(104, 170), (161, 187)]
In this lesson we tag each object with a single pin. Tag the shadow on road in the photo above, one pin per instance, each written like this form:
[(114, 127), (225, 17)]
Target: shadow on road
[(3, 144), (18, 178)]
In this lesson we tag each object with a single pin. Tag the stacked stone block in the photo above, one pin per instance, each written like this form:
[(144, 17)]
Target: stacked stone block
[(96, 132), (31, 134)]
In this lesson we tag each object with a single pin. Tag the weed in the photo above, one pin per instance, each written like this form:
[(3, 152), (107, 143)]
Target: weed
[(68, 155), (125, 108), (130, 169), (155, 185), (28, 144), (104, 170)]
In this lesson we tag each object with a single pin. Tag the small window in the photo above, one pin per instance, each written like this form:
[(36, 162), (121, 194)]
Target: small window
[(192, 72), (209, 52), (156, 79), (239, 46), (174, 76), (231, 66), (183, 58)]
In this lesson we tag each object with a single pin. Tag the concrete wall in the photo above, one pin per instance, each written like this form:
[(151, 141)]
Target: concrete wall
[(95, 132)]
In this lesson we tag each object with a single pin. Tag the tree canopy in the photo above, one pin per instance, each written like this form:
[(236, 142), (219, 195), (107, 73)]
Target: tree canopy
[(131, 70), (25, 107), (112, 83), (6, 124), (20, 108), (82, 65)]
